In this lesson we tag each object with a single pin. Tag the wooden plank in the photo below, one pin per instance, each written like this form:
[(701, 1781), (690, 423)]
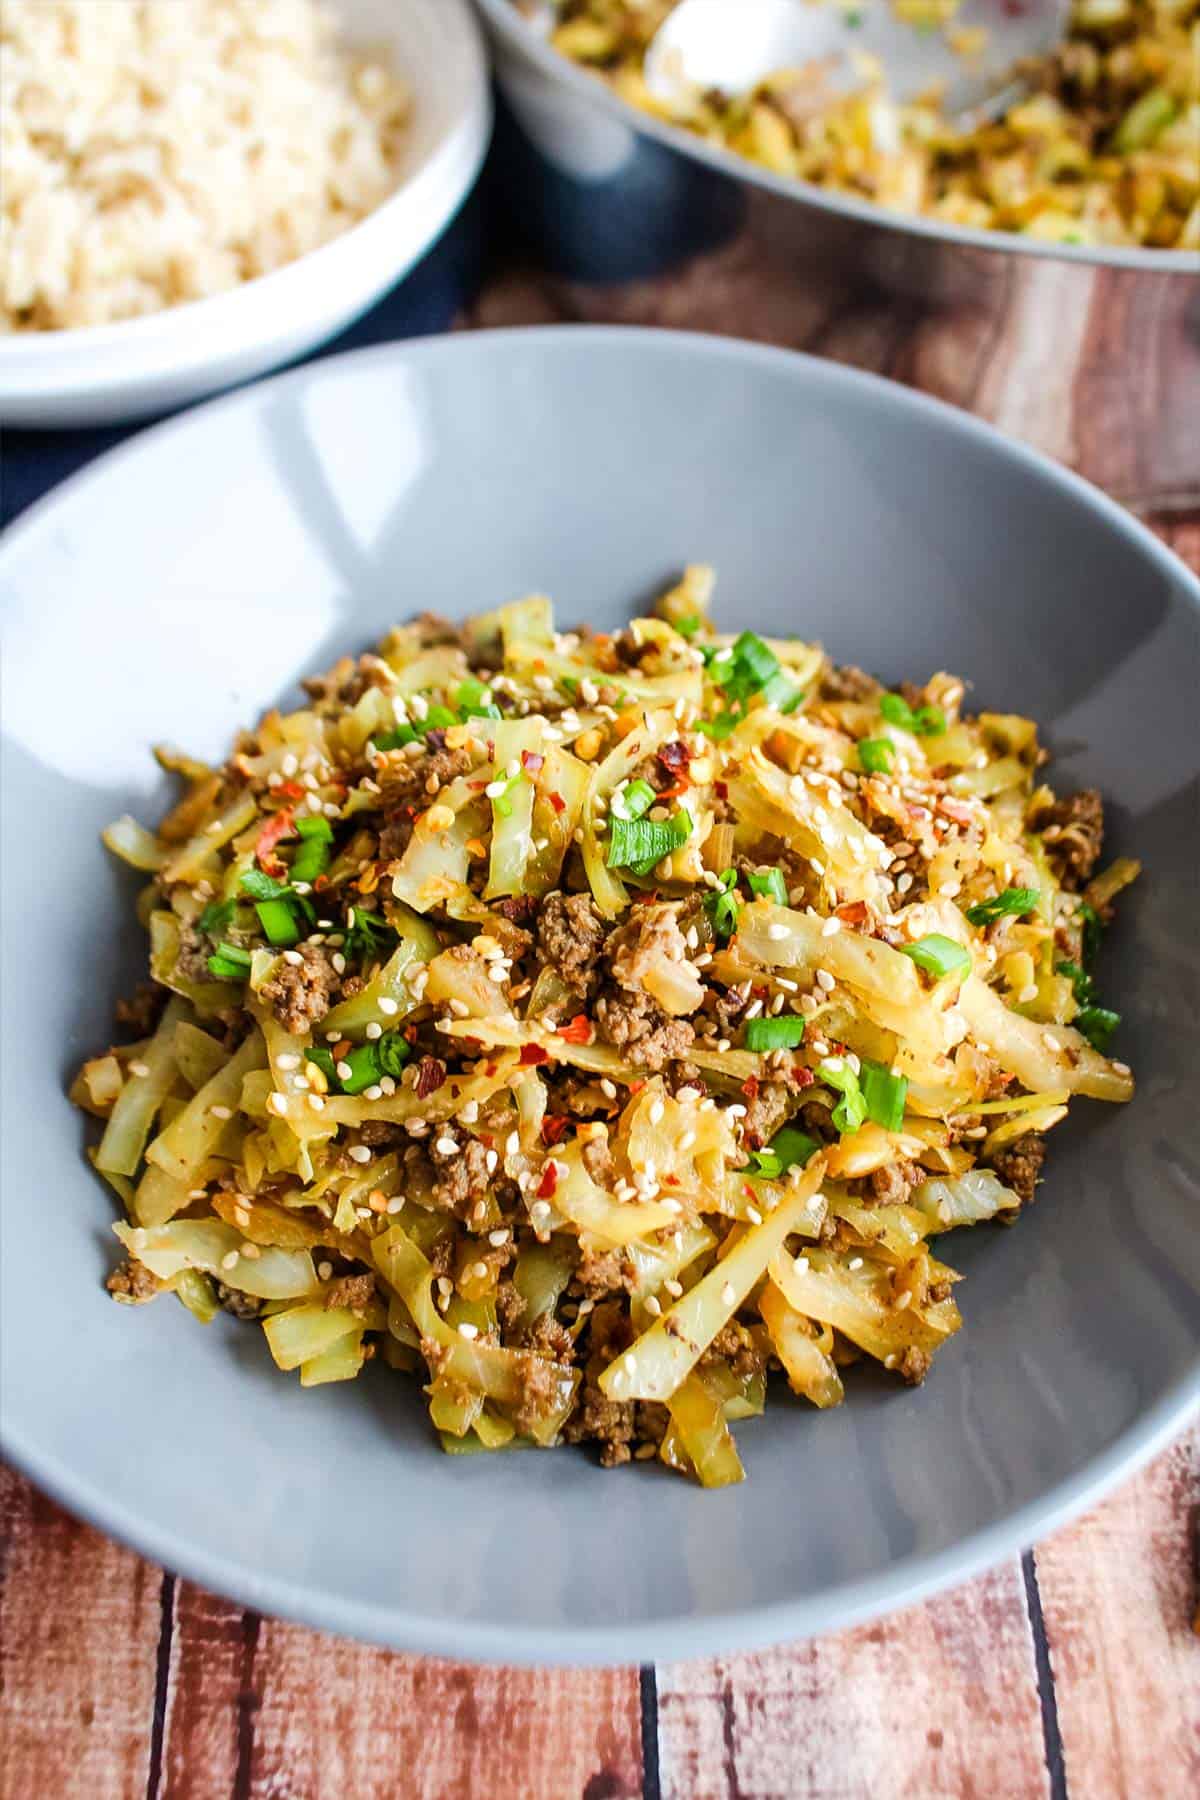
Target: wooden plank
[(333, 1717), (941, 1700), (79, 1634), (209, 1700), (1098, 368), (1118, 1592)]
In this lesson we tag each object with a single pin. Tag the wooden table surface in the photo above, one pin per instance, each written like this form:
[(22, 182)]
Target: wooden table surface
[(1074, 1669)]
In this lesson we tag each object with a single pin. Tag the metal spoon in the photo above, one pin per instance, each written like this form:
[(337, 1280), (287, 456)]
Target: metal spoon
[(732, 45)]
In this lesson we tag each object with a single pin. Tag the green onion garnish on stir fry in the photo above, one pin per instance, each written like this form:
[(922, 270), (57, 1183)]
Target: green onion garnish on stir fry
[(601, 1030)]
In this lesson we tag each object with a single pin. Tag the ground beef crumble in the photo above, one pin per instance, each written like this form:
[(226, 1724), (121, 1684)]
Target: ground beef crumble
[(1073, 832), (1019, 1164), (353, 1291), (131, 1281), (570, 937), (301, 993), (641, 1030)]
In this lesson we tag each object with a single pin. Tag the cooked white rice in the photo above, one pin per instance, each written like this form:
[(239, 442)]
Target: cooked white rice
[(155, 151)]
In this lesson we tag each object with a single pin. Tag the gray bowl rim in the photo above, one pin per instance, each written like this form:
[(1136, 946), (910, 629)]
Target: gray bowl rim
[(504, 19), (908, 1581)]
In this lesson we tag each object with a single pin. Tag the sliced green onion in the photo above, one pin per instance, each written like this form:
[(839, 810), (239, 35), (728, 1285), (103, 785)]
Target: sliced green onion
[(635, 798), (396, 740), (1013, 900), (721, 727), (1092, 930), (439, 718), (230, 962), (782, 691), (312, 858), (278, 922), (938, 955), (783, 1032), (216, 916), (876, 755), (787, 1148), (366, 1063), (640, 844), (851, 1110), (368, 937), (769, 885), (884, 1094), (926, 721), (1081, 982), (262, 887), (690, 626), (1097, 1024), (722, 906)]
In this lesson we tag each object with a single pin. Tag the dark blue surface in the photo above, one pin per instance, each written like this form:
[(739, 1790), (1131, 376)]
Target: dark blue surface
[(426, 301)]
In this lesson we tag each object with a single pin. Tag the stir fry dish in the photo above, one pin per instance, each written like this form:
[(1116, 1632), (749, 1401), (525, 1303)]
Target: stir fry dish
[(596, 1025), (1102, 147)]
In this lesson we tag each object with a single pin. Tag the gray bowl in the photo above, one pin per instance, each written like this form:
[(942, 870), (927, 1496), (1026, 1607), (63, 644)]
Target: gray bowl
[(185, 581), (615, 199)]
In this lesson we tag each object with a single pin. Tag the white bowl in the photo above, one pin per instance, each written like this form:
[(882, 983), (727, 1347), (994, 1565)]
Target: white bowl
[(105, 374)]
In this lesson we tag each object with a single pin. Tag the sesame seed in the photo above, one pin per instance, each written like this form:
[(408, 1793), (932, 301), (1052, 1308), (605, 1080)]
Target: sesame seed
[(343, 1070), (396, 1203), (754, 1216), (728, 1294), (491, 1160), (468, 1331), (656, 1111), (374, 1092), (831, 927), (276, 1104), (293, 957), (856, 1262), (1048, 1038), (360, 1153), (316, 1102), (653, 1306), (777, 932), (460, 1009), (498, 1237), (512, 1143), (630, 1364), (288, 1060), (825, 980), (540, 1209), (139, 1068), (687, 1140), (801, 1265), (339, 962), (221, 1112), (1122, 1068), (374, 1029), (674, 1288), (388, 1007), (446, 1146), (229, 1260)]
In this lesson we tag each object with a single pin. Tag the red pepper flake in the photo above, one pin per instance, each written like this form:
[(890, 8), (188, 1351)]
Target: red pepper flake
[(673, 793), (281, 825), (290, 790), (532, 1054), (531, 761), (675, 758), (579, 1031), (854, 912), (558, 803), (750, 1087), (748, 1191), (802, 1075), (549, 1181), (430, 1075), (721, 789), (411, 1033), (554, 1127), (490, 1068)]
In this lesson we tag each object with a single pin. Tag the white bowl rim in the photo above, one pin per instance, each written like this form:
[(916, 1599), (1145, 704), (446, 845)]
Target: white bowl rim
[(33, 348), (912, 1578), (504, 18)]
